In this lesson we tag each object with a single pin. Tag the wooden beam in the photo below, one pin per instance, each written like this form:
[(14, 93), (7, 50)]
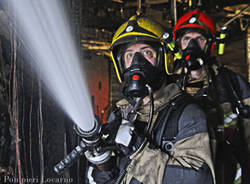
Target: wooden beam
[(147, 2)]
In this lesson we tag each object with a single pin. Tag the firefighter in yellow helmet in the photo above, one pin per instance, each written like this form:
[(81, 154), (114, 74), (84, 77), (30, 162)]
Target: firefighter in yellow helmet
[(157, 134), (145, 32)]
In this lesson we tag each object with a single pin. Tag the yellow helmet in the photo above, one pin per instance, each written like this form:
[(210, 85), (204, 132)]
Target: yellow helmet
[(138, 29)]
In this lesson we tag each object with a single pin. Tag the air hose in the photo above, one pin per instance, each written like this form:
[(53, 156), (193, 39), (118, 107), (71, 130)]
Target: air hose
[(151, 110)]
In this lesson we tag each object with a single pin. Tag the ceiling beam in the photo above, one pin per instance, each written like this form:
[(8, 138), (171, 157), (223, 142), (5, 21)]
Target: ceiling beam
[(147, 2)]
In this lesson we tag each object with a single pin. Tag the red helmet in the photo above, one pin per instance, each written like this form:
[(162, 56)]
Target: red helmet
[(195, 21)]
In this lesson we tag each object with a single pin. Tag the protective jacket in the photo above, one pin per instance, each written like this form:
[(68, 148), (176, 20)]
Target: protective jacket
[(232, 92), (178, 150)]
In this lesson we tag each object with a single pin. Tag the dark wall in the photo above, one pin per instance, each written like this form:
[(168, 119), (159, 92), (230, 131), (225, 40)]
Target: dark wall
[(35, 133)]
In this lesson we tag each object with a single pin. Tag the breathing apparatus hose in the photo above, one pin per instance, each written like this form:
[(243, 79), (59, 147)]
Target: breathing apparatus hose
[(151, 110)]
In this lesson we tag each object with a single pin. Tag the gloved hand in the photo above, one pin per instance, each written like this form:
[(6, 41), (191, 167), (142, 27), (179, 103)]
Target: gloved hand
[(96, 156), (124, 136), (99, 174), (124, 133)]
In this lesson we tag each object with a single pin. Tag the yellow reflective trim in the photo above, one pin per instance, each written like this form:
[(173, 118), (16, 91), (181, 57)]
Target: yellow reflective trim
[(133, 18), (178, 54), (169, 63), (116, 68), (230, 119), (232, 123), (171, 46), (133, 34), (166, 59), (221, 45), (221, 48), (166, 67), (119, 31), (222, 35), (144, 23)]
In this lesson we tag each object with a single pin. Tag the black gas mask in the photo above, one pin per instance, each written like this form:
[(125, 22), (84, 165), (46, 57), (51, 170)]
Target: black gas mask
[(193, 56), (141, 73)]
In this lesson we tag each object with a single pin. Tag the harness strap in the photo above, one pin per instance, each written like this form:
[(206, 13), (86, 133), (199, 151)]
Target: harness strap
[(166, 129)]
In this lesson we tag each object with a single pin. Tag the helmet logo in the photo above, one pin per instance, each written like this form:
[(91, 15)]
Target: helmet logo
[(129, 28), (192, 20)]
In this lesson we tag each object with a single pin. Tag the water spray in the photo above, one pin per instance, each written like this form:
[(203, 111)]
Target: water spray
[(44, 30)]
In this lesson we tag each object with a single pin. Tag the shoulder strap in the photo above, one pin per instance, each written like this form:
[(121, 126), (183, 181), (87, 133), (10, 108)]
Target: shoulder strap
[(166, 129)]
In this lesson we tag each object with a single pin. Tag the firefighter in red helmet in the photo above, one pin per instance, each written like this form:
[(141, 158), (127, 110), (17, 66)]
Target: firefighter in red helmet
[(202, 76), (195, 34)]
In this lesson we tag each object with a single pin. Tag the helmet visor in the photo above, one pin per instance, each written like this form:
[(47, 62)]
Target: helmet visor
[(151, 51)]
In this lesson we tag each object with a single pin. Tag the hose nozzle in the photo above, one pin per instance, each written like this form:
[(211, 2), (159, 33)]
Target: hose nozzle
[(89, 140), (92, 136)]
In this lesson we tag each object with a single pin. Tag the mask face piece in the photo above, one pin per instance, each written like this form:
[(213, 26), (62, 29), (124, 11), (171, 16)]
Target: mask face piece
[(193, 56), (138, 74)]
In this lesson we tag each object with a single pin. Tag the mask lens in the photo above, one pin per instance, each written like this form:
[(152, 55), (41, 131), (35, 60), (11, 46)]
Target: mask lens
[(200, 40), (145, 50)]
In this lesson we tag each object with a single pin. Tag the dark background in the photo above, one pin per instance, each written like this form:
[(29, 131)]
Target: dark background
[(34, 133)]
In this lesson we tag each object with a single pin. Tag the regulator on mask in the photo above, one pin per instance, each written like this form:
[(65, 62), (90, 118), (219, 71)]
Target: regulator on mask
[(140, 74), (193, 56)]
